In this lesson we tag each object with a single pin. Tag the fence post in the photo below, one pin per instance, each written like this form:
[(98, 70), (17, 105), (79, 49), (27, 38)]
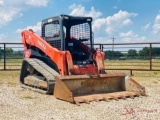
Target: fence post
[(150, 56), (4, 56), (102, 47), (131, 73)]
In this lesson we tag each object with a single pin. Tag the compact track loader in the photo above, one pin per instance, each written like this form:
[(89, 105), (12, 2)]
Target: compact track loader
[(62, 61)]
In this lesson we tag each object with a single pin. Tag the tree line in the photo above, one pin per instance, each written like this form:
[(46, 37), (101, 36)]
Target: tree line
[(10, 53), (109, 54), (133, 54)]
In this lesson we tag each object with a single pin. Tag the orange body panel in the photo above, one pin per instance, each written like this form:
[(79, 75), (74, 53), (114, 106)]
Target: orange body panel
[(89, 69)]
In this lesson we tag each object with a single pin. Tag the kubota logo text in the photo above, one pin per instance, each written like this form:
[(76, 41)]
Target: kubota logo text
[(41, 44)]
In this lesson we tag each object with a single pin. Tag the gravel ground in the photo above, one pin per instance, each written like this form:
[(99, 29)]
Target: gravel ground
[(18, 103)]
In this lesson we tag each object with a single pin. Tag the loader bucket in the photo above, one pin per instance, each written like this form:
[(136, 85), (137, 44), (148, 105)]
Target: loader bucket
[(85, 88)]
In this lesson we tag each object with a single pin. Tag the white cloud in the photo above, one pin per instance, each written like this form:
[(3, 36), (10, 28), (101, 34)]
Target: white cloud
[(79, 10), (11, 9), (102, 40), (2, 37), (115, 22), (130, 36), (102, 26), (146, 27), (115, 7), (37, 3), (127, 22), (36, 28), (99, 23), (1, 2), (7, 15), (21, 14), (23, 3), (156, 26)]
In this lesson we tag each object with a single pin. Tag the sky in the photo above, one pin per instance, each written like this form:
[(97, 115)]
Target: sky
[(126, 20)]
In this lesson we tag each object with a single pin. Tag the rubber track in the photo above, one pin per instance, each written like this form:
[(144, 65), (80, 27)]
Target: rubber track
[(45, 70)]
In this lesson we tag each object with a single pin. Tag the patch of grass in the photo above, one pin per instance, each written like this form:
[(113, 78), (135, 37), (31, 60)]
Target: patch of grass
[(1, 82), (26, 97), (155, 82), (12, 84), (131, 64), (10, 78), (155, 73)]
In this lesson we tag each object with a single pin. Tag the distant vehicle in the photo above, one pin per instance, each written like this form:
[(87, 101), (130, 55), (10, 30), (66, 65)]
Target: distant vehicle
[(122, 58)]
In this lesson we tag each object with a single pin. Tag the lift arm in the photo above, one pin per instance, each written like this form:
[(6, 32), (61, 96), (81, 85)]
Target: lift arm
[(30, 38)]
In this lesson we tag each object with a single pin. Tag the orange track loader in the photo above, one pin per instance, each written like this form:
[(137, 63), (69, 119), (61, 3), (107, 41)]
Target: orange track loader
[(62, 61)]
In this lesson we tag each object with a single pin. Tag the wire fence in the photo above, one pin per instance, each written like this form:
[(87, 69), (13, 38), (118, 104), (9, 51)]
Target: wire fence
[(11, 56), (118, 56), (131, 56)]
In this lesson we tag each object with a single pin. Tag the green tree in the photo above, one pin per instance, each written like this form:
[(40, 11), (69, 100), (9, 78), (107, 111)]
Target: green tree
[(155, 51), (144, 53), (113, 54), (0, 51), (132, 53), (9, 51)]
